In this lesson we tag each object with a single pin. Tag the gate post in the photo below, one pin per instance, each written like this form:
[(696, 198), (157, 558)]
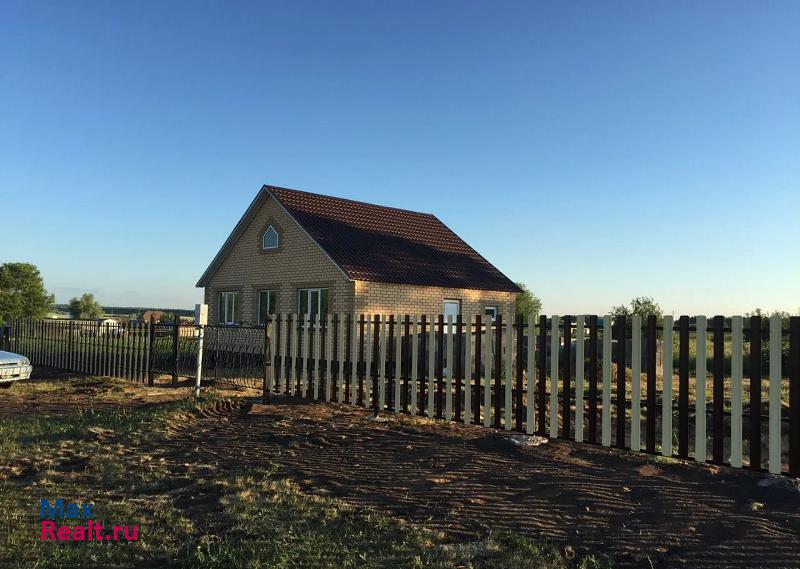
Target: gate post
[(150, 373), (200, 318)]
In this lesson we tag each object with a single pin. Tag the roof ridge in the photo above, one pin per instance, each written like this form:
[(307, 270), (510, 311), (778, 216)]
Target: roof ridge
[(271, 187)]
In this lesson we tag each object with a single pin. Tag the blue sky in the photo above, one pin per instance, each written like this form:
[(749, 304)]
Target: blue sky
[(596, 151)]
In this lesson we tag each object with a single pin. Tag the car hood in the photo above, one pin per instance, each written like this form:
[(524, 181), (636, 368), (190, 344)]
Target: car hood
[(7, 358)]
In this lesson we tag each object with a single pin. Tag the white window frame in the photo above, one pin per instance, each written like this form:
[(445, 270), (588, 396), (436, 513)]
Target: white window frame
[(493, 309), (271, 293), (308, 292), (447, 301), (264, 237), (224, 317)]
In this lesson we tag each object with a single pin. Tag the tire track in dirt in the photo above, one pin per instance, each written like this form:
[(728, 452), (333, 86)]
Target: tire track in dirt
[(466, 480)]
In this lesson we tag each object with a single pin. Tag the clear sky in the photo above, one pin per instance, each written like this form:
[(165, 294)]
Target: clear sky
[(594, 150)]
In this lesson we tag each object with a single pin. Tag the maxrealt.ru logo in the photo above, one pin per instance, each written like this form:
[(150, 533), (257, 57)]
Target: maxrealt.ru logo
[(78, 523)]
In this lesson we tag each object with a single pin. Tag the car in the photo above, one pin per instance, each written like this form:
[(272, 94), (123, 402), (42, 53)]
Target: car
[(13, 367)]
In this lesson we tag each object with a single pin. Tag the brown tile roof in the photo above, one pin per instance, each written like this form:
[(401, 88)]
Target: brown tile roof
[(383, 244)]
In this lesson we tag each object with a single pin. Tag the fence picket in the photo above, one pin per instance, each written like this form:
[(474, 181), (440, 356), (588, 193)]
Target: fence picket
[(605, 430), (330, 333), (467, 375), (542, 377), (736, 391), (457, 368), (794, 395), (519, 406), (398, 358), (356, 331), (414, 364), (487, 386), (666, 390), (566, 389), (701, 362), (373, 394), (636, 382), (406, 371), (755, 393), (339, 356), (683, 387), (449, 376), (719, 391), (497, 359), (291, 366), (555, 345), (478, 370), (423, 358), (382, 352), (619, 441), (440, 368), (774, 437), (580, 371), (372, 340), (652, 411), (509, 374), (304, 363), (314, 345), (391, 379), (431, 371), (593, 343), (530, 378)]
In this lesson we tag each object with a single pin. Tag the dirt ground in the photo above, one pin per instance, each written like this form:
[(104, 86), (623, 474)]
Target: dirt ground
[(639, 511)]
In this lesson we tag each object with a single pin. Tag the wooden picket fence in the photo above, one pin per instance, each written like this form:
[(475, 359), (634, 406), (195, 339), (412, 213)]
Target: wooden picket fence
[(627, 383), (504, 374)]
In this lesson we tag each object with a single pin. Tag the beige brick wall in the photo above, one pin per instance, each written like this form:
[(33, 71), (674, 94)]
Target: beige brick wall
[(297, 263), (385, 298)]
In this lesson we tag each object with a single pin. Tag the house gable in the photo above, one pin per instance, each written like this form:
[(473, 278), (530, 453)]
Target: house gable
[(245, 267), (246, 223)]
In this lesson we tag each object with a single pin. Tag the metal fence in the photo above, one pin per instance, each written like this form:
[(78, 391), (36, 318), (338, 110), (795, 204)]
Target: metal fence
[(145, 352), (724, 390)]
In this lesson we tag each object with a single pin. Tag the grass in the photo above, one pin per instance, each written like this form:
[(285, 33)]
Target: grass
[(202, 515)]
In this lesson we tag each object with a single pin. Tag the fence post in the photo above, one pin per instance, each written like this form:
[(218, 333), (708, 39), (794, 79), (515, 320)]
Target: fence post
[(200, 321), (150, 373), (267, 356)]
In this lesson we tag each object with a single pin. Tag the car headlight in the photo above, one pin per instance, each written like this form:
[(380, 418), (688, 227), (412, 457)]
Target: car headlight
[(25, 361)]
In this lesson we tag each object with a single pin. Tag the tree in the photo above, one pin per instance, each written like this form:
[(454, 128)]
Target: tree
[(528, 302), (644, 306), (22, 292), (85, 307)]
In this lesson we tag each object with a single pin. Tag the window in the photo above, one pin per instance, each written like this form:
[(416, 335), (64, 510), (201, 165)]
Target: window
[(229, 308), (312, 302), (270, 239), (490, 311), (266, 305), (451, 308)]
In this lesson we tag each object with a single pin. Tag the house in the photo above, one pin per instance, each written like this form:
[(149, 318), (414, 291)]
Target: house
[(154, 314), (305, 253)]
